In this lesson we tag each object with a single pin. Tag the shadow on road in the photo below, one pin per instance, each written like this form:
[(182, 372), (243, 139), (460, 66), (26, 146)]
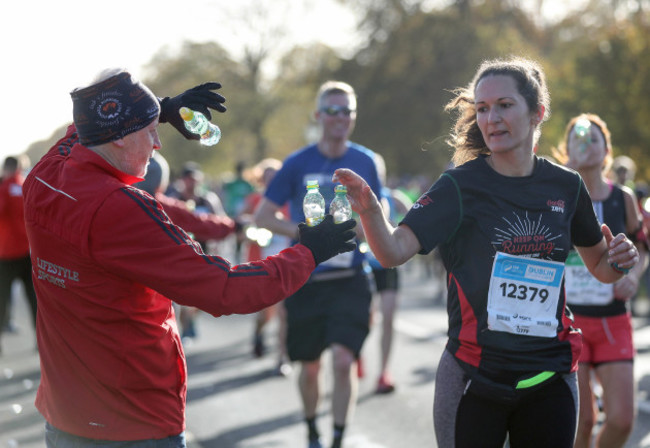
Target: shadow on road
[(234, 436)]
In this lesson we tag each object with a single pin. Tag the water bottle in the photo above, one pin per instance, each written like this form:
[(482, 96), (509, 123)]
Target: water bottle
[(197, 123), (313, 205), (340, 207), (582, 130)]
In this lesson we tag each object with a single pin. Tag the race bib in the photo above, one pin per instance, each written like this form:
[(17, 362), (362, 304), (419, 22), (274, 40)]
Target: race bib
[(524, 295), (581, 287)]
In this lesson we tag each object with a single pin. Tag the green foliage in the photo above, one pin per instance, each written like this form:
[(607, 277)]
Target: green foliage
[(604, 72), (406, 81)]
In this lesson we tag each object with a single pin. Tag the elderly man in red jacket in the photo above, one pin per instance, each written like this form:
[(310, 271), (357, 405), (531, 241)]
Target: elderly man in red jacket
[(108, 262)]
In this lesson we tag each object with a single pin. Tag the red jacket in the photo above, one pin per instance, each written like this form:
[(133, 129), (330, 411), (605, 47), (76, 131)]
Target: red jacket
[(13, 237), (107, 264)]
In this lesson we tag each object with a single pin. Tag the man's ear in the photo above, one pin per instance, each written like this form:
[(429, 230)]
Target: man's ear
[(119, 142)]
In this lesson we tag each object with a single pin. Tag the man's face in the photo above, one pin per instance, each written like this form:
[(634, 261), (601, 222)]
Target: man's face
[(337, 116), (191, 181), (138, 149)]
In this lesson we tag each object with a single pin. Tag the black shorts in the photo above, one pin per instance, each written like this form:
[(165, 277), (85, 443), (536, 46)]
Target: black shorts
[(325, 312), (386, 279)]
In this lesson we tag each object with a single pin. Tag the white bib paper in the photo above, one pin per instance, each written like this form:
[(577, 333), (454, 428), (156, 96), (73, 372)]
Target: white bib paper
[(523, 295), (581, 287)]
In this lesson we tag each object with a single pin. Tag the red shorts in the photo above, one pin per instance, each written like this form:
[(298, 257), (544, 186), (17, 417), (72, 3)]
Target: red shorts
[(606, 339)]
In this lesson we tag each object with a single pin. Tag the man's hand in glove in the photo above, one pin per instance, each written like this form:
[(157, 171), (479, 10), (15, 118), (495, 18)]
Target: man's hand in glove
[(199, 99), (327, 239)]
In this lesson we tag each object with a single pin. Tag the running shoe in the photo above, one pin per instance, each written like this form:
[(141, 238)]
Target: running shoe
[(385, 385)]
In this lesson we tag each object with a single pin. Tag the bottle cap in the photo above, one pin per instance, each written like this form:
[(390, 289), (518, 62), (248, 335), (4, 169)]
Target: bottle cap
[(312, 184), (340, 189), (582, 127), (186, 113)]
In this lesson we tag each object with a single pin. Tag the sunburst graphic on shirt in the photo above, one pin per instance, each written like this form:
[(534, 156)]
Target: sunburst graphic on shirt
[(525, 236)]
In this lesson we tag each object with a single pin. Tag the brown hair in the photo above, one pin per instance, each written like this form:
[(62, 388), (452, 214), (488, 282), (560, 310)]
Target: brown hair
[(466, 137)]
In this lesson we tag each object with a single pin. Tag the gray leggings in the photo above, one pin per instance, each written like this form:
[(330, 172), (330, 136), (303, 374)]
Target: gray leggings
[(492, 421)]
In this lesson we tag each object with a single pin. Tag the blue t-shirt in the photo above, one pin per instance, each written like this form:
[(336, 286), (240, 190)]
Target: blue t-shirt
[(289, 185)]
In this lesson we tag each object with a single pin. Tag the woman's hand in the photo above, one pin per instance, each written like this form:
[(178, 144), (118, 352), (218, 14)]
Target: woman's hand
[(361, 197), (622, 254)]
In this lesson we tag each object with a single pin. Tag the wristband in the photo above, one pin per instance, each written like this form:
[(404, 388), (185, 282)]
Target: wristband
[(619, 269)]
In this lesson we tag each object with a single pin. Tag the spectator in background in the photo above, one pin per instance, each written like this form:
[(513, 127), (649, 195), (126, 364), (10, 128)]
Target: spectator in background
[(643, 197), (191, 189), (261, 243), (235, 192), (15, 263), (623, 171), (601, 311)]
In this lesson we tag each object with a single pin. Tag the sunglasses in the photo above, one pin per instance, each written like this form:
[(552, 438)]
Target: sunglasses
[(334, 110)]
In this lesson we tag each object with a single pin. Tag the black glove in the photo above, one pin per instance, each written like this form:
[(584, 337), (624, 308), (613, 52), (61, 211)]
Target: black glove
[(199, 99), (328, 239)]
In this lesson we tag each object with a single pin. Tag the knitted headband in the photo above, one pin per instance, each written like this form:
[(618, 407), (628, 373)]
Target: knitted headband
[(112, 109)]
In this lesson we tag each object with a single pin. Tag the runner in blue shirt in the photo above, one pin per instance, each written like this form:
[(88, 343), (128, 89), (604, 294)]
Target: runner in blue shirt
[(337, 314)]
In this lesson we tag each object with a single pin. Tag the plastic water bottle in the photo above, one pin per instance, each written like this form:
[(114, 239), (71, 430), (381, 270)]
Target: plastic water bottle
[(582, 130), (197, 123), (313, 205), (340, 207)]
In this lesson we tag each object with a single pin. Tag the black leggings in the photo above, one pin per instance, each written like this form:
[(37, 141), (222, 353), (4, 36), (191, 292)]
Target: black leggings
[(544, 418)]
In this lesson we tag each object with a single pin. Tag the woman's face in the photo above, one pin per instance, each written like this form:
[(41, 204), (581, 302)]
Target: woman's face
[(587, 152), (503, 116)]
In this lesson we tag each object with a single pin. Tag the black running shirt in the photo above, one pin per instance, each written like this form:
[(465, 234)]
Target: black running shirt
[(473, 213)]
